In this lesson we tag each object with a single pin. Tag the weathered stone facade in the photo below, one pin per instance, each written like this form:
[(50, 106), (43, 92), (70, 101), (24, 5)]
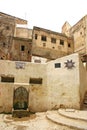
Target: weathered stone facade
[(21, 49), (7, 28), (15, 42), (65, 29), (49, 44), (79, 33), (60, 83), (45, 43), (50, 86)]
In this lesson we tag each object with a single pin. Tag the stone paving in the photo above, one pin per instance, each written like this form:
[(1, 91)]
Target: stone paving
[(62, 119)]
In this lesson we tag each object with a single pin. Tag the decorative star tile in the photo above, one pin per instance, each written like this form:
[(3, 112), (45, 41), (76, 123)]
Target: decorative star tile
[(69, 64)]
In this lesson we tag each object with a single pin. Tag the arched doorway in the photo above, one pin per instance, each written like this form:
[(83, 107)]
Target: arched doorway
[(20, 99)]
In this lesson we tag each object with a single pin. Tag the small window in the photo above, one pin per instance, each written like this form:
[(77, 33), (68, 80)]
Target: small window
[(4, 44), (7, 79), (57, 65), (69, 45), (53, 40), (37, 61), (1, 58), (44, 44), (61, 42), (53, 47), (36, 36), (28, 52), (35, 81), (7, 28), (22, 48), (80, 33), (43, 38)]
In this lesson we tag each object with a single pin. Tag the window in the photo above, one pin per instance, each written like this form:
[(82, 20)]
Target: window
[(35, 80), (7, 28), (80, 33), (7, 79), (4, 44), (35, 36), (28, 52), (43, 38), (1, 58), (61, 42), (53, 47), (69, 45), (37, 61), (44, 44), (53, 40), (22, 48), (57, 65)]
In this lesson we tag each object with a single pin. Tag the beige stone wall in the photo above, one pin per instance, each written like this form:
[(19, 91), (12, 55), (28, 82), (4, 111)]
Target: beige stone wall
[(61, 87), (86, 33), (23, 33), (56, 48), (37, 93), (63, 84), (65, 28), (79, 34), (17, 20), (36, 59), (83, 81), (21, 49), (7, 27), (6, 97), (12, 38)]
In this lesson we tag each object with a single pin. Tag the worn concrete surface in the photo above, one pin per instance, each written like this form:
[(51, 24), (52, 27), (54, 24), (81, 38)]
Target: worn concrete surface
[(69, 118), (50, 120)]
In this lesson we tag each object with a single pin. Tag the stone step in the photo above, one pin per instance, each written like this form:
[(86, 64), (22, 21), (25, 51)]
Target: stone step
[(77, 124), (20, 113), (73, 114)]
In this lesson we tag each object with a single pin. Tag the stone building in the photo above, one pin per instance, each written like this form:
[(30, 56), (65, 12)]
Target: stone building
[(79, 33), (49, 44), (15, 41), (40, 87), (65, 29), (7, 28), (59, 83)]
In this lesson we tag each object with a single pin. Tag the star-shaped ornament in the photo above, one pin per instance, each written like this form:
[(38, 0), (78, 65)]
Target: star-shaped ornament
[(69, 64)]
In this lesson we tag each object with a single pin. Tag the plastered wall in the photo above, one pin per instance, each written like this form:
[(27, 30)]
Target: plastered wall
[(60, 85), (64, 83)]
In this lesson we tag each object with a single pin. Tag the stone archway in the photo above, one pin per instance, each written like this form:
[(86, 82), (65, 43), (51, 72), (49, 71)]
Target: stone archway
[(20, 101)]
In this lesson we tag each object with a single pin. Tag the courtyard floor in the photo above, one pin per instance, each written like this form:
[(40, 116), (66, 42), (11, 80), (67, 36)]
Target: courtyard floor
[(62, 119)]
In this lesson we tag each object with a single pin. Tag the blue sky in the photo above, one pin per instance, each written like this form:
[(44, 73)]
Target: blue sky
[(49, 14)]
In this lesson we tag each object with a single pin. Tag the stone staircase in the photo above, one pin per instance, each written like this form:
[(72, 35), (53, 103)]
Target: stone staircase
[(70, 118)]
